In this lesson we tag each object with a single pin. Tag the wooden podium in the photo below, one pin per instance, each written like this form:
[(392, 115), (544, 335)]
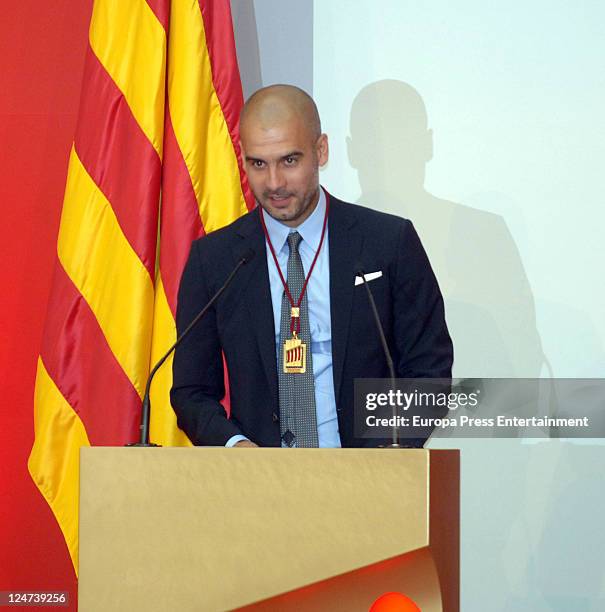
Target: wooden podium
[(267, 529)]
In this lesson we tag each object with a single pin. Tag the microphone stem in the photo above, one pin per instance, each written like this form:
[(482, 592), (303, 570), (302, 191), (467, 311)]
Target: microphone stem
[(389, 359), (146, 408)]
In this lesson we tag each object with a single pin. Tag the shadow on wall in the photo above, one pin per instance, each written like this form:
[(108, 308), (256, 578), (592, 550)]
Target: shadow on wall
[(489, 302)]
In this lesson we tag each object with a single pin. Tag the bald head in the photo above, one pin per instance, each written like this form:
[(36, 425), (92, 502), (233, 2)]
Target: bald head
[(278, 105), (283, 148)]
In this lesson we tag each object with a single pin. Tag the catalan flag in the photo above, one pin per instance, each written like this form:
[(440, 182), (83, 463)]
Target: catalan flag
[(155, 164)]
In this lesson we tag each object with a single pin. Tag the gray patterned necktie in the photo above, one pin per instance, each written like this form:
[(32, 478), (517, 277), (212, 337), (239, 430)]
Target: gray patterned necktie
[(298, 418)]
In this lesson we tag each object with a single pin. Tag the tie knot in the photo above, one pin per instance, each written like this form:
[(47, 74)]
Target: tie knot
[(294, 239)]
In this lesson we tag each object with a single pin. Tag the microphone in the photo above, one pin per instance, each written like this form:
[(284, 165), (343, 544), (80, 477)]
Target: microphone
[(247, 257), (387, 353)]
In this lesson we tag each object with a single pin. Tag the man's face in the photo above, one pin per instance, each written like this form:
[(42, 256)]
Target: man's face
[(282, 164)]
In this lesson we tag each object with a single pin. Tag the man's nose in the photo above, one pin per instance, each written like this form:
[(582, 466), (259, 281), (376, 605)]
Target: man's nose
[(275, 179)]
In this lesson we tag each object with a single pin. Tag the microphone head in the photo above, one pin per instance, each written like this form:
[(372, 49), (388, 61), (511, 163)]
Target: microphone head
[(248, 256)]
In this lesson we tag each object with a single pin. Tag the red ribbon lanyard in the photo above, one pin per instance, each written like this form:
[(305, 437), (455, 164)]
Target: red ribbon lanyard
[(295, 320)]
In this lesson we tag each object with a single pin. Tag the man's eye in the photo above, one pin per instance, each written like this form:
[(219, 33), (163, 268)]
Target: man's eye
[(257, 163), (290, 161)]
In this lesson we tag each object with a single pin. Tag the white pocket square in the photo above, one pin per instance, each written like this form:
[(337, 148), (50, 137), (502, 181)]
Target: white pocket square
[(370, 276)]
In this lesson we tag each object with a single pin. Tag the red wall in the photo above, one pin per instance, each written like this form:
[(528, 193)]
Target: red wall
[(41, 61)]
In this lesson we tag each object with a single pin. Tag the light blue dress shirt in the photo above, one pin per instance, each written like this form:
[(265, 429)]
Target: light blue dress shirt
[(318, 294)]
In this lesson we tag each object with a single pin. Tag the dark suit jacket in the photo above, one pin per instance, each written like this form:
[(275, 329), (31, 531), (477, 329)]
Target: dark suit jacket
[(240, 326)]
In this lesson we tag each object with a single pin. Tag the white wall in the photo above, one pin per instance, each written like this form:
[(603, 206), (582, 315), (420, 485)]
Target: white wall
[(515, 99), (484, 123)]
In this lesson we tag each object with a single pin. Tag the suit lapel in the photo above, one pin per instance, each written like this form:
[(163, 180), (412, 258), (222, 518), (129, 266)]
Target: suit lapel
[(256, 292), (345, 240)]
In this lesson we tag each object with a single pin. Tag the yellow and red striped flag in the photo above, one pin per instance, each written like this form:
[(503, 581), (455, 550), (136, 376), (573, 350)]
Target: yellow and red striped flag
[(158, 116)]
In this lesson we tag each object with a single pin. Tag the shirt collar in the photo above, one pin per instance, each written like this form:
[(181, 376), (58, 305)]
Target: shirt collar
[(310, 229)]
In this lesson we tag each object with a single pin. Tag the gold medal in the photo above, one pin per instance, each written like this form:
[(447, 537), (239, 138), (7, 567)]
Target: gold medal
[(295, 356)]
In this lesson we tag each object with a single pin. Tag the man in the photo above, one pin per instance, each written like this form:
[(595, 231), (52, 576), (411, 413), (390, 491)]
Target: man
[(295, 326)]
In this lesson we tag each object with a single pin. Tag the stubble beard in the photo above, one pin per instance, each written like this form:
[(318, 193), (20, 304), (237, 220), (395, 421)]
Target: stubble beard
[(300, 207)]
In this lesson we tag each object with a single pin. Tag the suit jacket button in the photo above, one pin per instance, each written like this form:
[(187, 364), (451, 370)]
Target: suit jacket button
[(275, 418)]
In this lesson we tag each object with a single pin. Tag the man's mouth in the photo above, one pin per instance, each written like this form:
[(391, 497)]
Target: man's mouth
[(279, 199)]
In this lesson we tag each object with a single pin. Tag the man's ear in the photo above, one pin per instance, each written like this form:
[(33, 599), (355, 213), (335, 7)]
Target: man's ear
[(323, 150)]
